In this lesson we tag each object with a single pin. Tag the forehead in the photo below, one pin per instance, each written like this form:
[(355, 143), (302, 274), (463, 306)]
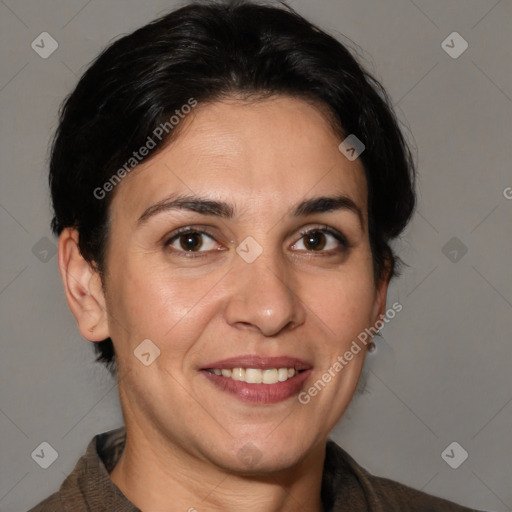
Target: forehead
[(257, 155)]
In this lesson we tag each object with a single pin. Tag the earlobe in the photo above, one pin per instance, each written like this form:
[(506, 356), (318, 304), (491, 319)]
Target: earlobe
[(82, 285)]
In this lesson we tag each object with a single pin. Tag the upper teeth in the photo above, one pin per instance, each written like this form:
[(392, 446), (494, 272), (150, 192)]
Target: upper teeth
[(256, 375)]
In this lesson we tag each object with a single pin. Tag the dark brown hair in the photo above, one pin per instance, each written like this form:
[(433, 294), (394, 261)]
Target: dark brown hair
[(208, 51)]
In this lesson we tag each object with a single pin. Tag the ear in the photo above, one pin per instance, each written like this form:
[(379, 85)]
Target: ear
[(82, 285), (381, 290)]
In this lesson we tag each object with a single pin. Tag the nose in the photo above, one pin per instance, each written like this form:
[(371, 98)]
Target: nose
[(263, 297)]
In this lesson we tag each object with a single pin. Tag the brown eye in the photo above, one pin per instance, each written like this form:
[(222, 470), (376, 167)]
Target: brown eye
[(325, 241), (315, 240), (191, 241)]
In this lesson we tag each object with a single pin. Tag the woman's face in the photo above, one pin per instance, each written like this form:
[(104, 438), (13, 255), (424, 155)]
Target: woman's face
[(243, 244)]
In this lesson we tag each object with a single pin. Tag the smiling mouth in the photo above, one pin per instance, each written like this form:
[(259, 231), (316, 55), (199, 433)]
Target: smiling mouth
[(256, 375), (259, 386), (257, 379)]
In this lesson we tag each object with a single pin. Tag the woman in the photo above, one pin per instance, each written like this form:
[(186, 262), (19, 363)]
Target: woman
[(226, 182)]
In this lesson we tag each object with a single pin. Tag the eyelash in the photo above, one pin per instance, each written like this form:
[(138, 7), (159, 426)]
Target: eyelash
[(340, 237)]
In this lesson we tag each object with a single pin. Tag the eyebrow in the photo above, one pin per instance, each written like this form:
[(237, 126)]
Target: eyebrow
[(224, 210)]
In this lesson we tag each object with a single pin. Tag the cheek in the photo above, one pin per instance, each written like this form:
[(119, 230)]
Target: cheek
[(159, 304), (343, 302)]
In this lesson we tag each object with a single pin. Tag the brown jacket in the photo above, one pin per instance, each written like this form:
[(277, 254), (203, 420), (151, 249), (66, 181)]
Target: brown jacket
[(346, 486)]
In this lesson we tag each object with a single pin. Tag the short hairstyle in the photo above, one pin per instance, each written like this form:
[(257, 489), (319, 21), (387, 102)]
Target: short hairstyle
[(209, 52)]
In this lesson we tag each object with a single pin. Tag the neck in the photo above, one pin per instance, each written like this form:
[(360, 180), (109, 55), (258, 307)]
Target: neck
[(153, 474)]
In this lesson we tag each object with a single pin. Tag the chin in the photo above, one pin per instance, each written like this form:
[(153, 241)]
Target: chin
[(261, 457)]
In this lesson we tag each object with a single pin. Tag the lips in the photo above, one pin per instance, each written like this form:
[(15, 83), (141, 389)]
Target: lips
[(258, 379)]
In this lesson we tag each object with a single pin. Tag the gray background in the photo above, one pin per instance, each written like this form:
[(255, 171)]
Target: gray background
[(442, 369)]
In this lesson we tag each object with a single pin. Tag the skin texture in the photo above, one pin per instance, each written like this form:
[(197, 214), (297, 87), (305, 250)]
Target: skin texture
[(183, 433)]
